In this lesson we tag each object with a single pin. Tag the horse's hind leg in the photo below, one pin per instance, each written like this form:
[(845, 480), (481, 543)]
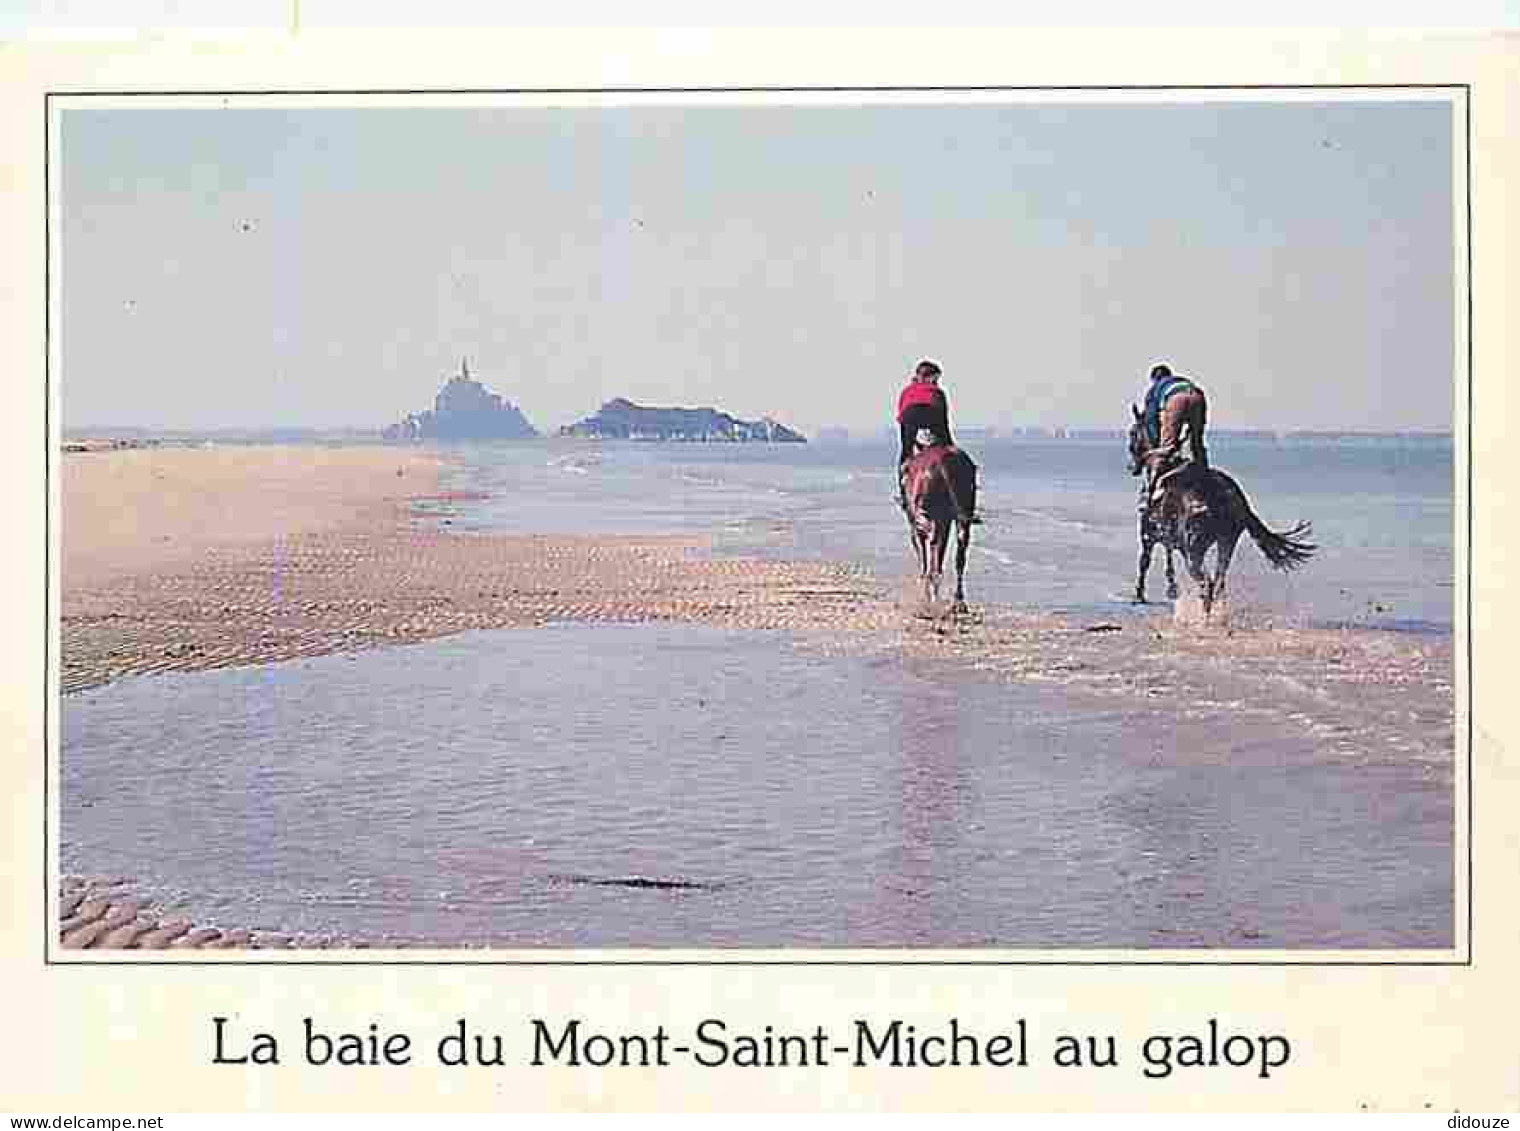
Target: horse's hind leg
[(1147, 545), (1222, 564), (1171, 574), (962, 543), (921, 548), (1194, 559), (941, 545)]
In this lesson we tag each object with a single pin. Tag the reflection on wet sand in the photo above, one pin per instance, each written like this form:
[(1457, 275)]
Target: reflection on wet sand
[(932, 808)]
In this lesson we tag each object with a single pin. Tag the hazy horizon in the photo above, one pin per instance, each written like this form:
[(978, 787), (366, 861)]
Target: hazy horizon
[(884, 432), (326, 268)]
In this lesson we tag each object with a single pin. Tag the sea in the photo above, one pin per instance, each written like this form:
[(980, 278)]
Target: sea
[(1059, 529), (676, 788)]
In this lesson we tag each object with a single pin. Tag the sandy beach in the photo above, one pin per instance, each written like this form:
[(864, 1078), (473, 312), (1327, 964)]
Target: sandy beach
[(181, 560), (156, 510)]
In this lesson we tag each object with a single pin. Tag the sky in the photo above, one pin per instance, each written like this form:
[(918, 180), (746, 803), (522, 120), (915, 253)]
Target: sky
[(328, 267)]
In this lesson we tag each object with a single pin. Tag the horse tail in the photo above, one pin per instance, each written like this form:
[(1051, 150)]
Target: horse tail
[(1286, 550)]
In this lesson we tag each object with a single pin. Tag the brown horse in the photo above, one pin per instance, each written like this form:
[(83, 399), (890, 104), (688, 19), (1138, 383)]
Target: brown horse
[(1194, 509), (939, 491)]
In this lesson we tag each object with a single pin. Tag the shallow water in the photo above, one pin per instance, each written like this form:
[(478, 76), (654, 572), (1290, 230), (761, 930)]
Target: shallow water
[(597, 786), (600, 786), (1060, 515)]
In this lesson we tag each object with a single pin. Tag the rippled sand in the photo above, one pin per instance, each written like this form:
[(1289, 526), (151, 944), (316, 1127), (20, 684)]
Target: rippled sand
[(103, 914), (361, 568)]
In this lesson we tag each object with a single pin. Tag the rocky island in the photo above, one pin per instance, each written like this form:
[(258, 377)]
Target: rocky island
[(464, 409), (621, 419)]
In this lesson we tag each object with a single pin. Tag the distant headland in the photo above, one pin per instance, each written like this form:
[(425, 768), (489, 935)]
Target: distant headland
[(621, 419), (464, 409)]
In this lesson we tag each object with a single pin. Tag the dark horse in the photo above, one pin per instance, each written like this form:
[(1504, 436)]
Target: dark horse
[(939, 490), (1191, 509)]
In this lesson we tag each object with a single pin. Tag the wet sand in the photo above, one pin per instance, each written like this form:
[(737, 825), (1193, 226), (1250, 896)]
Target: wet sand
[(675, 785), (186, 560)]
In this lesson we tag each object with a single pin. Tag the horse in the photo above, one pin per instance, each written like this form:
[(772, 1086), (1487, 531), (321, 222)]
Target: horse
[(1194, 509), (939, 490)]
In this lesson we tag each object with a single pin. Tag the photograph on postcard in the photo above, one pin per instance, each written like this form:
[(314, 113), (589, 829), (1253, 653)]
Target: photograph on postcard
[(983, 522)]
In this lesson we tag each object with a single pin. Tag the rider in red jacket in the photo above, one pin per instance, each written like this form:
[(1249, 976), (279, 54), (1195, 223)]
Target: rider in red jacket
[(921, 404)]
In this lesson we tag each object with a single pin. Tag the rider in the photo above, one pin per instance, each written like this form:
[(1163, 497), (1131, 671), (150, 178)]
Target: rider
[(921, 404), (1173, 405)]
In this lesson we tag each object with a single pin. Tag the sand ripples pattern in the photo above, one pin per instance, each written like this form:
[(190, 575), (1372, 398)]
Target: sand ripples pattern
[(326, 593)]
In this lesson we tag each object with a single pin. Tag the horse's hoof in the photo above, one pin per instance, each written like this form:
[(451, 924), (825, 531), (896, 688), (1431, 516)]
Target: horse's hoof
[(959, 608)]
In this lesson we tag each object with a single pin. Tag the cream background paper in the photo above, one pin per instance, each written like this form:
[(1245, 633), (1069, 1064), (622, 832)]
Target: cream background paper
[(100, 1036)]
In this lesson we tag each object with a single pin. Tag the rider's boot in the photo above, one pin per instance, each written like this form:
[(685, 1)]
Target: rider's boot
[(1160, 467)]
